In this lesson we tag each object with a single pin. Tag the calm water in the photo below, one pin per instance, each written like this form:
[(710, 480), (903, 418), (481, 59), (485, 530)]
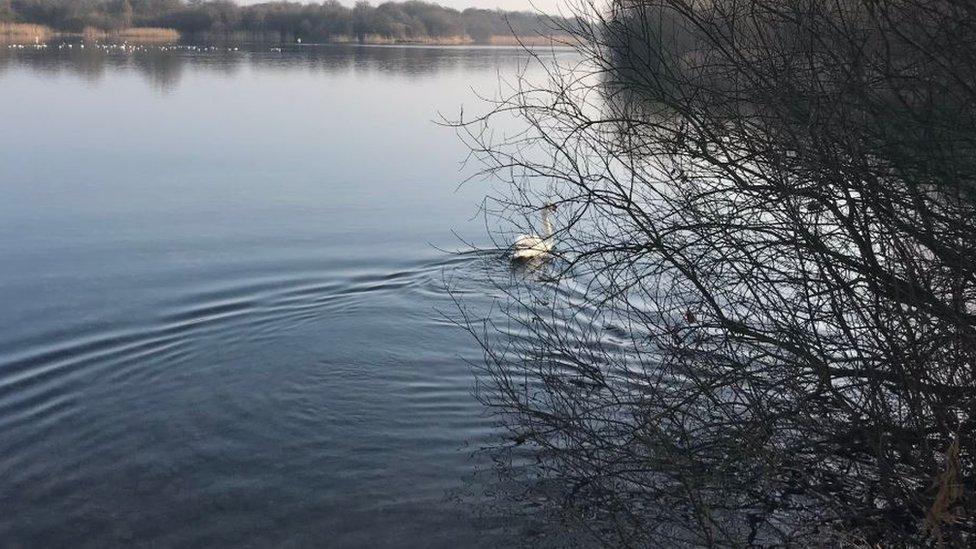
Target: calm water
[(220, 283)]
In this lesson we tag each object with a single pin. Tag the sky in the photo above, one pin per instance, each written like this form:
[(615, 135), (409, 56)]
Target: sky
[(546, 6)]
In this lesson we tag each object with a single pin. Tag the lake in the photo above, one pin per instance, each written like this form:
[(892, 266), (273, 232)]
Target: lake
[(224, 277)]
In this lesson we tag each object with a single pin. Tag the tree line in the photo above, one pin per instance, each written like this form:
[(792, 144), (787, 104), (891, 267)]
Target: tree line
[(412, 20)]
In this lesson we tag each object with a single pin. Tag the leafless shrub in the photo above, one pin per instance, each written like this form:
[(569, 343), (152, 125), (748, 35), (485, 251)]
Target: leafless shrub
[(760, 323)]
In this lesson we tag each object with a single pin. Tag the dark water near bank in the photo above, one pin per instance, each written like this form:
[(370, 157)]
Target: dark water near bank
[(219, 293)]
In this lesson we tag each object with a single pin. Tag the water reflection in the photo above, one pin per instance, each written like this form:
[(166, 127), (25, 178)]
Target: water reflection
[(164, 66)]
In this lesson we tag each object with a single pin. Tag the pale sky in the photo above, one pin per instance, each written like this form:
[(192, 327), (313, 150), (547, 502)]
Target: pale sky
[(546, 6)]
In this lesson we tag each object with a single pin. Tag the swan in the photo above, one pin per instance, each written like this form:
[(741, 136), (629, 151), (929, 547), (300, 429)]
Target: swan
[(530, 246)]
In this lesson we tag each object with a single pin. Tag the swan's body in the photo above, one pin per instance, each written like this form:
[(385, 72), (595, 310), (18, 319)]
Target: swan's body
[(530, 246)]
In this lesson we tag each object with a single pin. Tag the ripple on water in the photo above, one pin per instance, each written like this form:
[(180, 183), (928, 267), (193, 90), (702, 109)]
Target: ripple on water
[(354, 382)]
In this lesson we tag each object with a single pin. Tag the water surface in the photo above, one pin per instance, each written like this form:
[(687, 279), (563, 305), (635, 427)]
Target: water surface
[(220, 277)]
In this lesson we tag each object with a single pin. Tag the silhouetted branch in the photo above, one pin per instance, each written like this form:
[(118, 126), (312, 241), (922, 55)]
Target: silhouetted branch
[(760, 323)]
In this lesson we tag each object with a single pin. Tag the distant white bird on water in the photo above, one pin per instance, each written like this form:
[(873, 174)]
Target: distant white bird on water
[(530, 246)]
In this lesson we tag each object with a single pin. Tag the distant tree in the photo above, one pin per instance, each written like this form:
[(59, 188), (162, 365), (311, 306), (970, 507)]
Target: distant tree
[(436, 20), (406, 21), (362, 19), (126, 14), (7, 13), (477, 24)]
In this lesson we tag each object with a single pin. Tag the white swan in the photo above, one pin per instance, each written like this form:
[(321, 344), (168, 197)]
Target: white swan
[(530, 246)]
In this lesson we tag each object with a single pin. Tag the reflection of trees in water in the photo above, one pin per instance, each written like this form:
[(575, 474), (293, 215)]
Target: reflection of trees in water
[(765, 330), (397, 60), (164, 66), (161, 69), (90, 65)]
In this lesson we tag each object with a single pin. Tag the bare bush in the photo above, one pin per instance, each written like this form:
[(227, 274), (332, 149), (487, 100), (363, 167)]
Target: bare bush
[(760, 326)]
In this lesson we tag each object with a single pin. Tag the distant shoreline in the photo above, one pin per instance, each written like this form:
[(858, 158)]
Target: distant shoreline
[(27, 32), (378, 40), (32, 33)]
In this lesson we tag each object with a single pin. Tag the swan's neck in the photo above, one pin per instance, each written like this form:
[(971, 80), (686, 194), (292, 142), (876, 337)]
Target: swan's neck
[(546, 224)]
